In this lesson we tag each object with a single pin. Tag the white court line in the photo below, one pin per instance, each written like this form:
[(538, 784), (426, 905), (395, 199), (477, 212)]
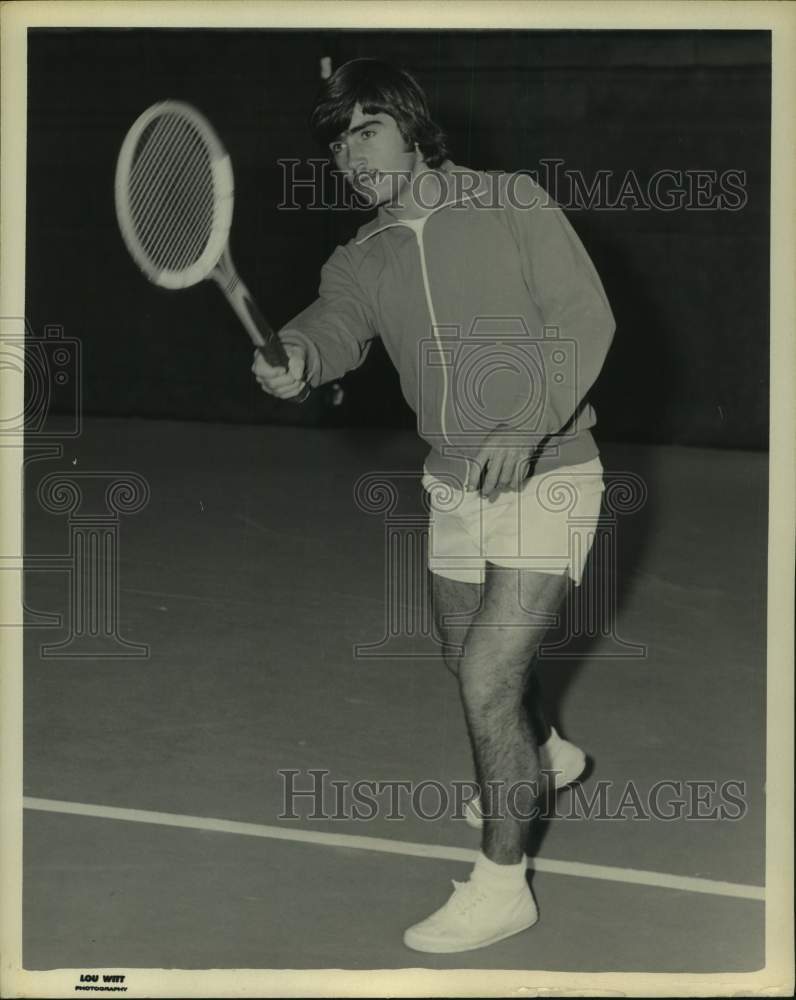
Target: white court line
[(608, 873)]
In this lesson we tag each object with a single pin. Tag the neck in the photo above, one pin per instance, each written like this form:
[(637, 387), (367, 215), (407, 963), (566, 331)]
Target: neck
[(425, 182)]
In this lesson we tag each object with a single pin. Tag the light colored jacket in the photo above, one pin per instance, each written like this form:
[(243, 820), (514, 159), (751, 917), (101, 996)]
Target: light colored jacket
[(490, 309)]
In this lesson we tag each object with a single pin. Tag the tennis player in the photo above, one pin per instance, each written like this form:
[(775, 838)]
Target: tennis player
[(498, 325)]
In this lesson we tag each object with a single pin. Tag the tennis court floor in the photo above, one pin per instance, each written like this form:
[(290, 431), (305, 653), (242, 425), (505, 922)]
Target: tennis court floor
[(251, 573)]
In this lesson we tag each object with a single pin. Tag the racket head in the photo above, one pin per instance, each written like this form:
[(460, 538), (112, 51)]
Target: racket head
[(174, 193)]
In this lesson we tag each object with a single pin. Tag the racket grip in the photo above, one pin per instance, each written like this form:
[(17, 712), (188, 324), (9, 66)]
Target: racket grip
[(262, 334), (304, 391)]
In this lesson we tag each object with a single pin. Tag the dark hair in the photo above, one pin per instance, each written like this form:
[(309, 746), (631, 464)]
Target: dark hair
[(377, 87)]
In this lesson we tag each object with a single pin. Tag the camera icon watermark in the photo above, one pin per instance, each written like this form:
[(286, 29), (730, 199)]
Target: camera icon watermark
[(42, 408), (495, 378), (50, 365)]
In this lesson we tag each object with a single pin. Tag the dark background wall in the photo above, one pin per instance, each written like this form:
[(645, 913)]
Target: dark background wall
[(689, 288)]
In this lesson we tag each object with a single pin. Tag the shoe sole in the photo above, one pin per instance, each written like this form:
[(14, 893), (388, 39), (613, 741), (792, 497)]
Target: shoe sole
[(436, 949)]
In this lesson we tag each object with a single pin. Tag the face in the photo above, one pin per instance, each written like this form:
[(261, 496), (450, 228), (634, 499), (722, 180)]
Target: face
[(374, 157)]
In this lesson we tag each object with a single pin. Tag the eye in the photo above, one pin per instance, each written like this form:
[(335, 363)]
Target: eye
[(367, 133), (337, 147)]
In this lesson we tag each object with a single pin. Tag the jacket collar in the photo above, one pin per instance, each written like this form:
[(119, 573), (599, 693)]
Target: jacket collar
[(459, 194)]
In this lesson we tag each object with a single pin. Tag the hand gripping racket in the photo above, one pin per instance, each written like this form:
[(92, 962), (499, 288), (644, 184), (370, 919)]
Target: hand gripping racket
[(174, 201)]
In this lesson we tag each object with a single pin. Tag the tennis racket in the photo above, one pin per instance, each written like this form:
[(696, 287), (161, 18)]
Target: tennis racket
[(174, 199)]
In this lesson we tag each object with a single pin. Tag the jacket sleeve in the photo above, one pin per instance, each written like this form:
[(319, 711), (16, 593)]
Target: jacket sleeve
[(567, 290), (336, 330)]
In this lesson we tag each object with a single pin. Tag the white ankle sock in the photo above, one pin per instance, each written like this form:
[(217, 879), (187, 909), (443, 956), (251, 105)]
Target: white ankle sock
[(552, 740), (501, 878)]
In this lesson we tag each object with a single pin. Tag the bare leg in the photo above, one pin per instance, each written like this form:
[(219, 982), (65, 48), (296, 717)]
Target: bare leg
[(454, 597), (500, 646)]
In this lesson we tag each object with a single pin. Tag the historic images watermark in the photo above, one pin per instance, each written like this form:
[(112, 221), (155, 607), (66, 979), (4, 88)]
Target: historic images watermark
[(314, 795), (314, 185), (92, 501)]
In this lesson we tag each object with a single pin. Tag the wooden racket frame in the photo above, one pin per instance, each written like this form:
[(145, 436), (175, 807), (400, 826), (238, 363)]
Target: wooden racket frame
[(215, 261)]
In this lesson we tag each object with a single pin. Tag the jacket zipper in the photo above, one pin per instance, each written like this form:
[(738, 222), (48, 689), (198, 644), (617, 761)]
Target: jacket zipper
[(418, 231)]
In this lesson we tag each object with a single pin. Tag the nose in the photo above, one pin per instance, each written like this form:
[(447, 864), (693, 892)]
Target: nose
[(341, 157)]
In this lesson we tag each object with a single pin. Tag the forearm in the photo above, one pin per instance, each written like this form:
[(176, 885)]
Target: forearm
[(336, 329)]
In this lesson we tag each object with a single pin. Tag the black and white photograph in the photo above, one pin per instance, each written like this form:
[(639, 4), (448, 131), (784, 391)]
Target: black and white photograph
[(398, 584)]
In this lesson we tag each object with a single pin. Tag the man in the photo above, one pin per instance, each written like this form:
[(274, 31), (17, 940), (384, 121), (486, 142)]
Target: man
[(496, 320)]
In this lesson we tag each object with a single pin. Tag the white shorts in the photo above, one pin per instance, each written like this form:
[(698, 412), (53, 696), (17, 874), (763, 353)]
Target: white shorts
[(547, 526)]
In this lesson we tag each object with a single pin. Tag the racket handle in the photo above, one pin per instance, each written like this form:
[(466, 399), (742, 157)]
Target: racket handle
[(262, 334), (267, 352)]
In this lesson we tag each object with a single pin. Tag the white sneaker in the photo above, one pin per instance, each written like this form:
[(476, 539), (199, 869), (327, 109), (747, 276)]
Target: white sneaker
[(561, 762), (473, 918)]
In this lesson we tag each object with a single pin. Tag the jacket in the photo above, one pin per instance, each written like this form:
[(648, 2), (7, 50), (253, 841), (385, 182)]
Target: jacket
[(490, 309)]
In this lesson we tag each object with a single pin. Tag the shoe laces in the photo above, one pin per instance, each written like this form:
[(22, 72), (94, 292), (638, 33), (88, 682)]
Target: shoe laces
[(466, 896)]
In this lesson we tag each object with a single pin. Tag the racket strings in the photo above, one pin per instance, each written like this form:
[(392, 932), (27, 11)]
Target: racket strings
[(176, 210), (190, 219), (187, 208), (167, 160), (171, 193), (149, 179)]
